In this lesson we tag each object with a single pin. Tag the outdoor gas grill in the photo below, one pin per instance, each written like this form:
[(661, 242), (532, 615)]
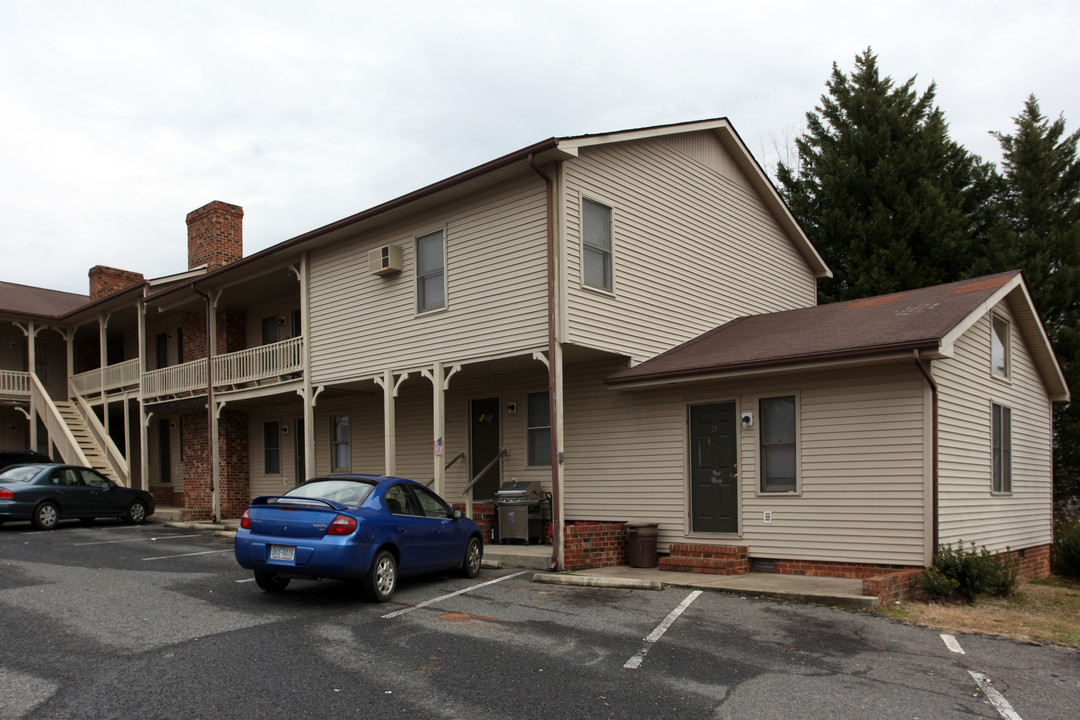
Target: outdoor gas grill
[(524, 511)]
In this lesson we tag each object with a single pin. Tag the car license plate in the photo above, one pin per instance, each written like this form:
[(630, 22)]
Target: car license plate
[(283, 552)]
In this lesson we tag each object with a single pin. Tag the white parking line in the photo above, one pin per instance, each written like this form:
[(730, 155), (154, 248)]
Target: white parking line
[(417, 606), (635, 662), (204, 552), (996, 699), (952, 644), (985, 684), (131, 540)]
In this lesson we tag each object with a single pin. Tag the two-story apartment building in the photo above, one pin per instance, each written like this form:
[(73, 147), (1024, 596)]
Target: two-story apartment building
[(515, 321)]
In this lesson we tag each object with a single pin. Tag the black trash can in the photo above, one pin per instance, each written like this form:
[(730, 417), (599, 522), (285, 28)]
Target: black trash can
[(641, 538)]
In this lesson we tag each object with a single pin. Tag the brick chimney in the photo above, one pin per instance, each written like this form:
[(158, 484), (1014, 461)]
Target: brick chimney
[(106, 281), (215, 235)]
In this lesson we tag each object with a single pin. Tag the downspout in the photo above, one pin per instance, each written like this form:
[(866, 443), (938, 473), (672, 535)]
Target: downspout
[(933, 447), (211, 416), (556, 491)]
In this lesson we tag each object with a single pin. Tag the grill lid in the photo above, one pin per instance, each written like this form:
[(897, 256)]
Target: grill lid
[(517, 491)]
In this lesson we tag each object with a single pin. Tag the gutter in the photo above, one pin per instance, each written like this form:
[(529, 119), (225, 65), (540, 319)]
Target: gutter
[(925, 370), (556, 492)]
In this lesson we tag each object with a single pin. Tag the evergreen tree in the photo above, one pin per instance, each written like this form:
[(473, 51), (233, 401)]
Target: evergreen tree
[(1039, 207), (886, 197)]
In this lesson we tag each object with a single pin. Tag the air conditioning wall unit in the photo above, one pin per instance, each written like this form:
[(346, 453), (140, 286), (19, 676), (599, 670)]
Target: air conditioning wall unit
[(385, 260)]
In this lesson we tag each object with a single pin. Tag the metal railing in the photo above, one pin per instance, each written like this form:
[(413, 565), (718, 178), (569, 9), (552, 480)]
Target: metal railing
[(13, 382), (483, 472)]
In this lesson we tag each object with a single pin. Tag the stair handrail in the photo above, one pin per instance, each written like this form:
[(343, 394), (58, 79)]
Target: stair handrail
[(476, 478), (59, 433), (113, 456)]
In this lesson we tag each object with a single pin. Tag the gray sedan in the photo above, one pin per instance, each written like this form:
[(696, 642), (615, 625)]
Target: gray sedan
[(44, 493)]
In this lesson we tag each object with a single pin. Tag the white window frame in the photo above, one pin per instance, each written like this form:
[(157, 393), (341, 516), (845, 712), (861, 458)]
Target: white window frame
[(796, 443), (1000, 449), (419, 278), (587, 247), (335, 444), (530, 461), (1000, 342)]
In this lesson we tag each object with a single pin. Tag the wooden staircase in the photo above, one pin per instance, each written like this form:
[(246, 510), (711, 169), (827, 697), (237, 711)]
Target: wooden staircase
[(95, 456)]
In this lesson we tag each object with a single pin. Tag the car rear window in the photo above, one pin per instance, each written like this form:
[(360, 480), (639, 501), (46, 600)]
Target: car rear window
[(346, 492), (20, 473)]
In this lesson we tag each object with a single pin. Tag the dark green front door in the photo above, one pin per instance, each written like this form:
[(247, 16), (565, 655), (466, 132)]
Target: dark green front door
[(714, 484)]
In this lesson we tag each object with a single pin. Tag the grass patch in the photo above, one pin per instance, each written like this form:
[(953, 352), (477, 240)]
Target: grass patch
[(1043, 611)]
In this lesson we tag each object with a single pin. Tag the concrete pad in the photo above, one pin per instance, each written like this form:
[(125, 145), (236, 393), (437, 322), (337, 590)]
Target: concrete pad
[(594, 581)]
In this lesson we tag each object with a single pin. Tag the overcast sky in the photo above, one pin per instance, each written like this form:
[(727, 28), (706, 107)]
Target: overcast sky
[(118, 118)]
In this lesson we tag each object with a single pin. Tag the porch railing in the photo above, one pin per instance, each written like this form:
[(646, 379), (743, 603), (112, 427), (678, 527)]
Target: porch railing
[(13, 382), (110, 377), (276, 360), (187, 377)]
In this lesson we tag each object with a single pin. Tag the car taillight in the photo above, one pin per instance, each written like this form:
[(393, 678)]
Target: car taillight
[(245, 520), (342, 525), (7, 495)]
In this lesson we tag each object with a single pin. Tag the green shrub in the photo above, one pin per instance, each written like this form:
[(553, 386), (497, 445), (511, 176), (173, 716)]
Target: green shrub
[(961, 573), (1065, 552)]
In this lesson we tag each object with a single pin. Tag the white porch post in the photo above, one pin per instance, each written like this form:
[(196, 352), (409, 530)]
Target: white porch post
[(303, 275), (144, 419), (31, 361), (438, 412), (103, 358), (389, 424)]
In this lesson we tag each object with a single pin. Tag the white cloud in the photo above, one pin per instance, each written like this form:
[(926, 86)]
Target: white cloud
[(120, 117)]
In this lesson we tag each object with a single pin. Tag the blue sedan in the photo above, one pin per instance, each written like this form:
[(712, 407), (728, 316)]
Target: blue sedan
[(366, 528)]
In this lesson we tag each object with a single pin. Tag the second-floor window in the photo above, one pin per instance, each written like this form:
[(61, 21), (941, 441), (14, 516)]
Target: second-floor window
[(430, 272), (596, 245), (340, 444)]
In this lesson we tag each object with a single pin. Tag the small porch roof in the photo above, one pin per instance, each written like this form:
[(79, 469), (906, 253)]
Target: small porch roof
[(928, 319)]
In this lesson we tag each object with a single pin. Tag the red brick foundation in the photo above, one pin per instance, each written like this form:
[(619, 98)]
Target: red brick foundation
[(595, 544), (1034, 562), (706, 559), (893, 586), (483, 515), (166, 496)]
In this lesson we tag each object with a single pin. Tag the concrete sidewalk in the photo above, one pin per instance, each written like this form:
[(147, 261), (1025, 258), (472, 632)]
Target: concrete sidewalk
[(839, 592)]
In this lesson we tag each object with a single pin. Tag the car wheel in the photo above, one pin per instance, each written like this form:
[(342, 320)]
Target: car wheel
[(271, 582), (474, 555), (136, 512), (46, 515), (381, 581)]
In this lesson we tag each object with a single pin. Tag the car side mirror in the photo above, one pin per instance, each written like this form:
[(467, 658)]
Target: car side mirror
[(458, 514)]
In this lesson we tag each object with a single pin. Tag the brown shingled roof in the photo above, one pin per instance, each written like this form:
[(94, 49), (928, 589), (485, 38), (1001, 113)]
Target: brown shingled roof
[(903, 321), (39, 302)]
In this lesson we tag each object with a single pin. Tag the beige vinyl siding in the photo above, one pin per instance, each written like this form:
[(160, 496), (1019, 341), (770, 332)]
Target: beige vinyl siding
[(969, 511), (495, 286), (365, 413), (281, 308), (864, 459), (692, 249), (259, 482)]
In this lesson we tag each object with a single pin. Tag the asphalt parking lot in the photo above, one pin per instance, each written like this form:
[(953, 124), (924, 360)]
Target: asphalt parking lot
[(117, 621)]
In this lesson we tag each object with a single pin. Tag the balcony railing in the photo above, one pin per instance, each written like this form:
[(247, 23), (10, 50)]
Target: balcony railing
[(110, 377), (13, 382), (277, 361)]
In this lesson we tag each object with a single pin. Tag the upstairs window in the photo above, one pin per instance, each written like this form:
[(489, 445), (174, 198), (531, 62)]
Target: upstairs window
[(430, 272), (999, 346), (596, 245), (1001, 429), (777, 444)]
